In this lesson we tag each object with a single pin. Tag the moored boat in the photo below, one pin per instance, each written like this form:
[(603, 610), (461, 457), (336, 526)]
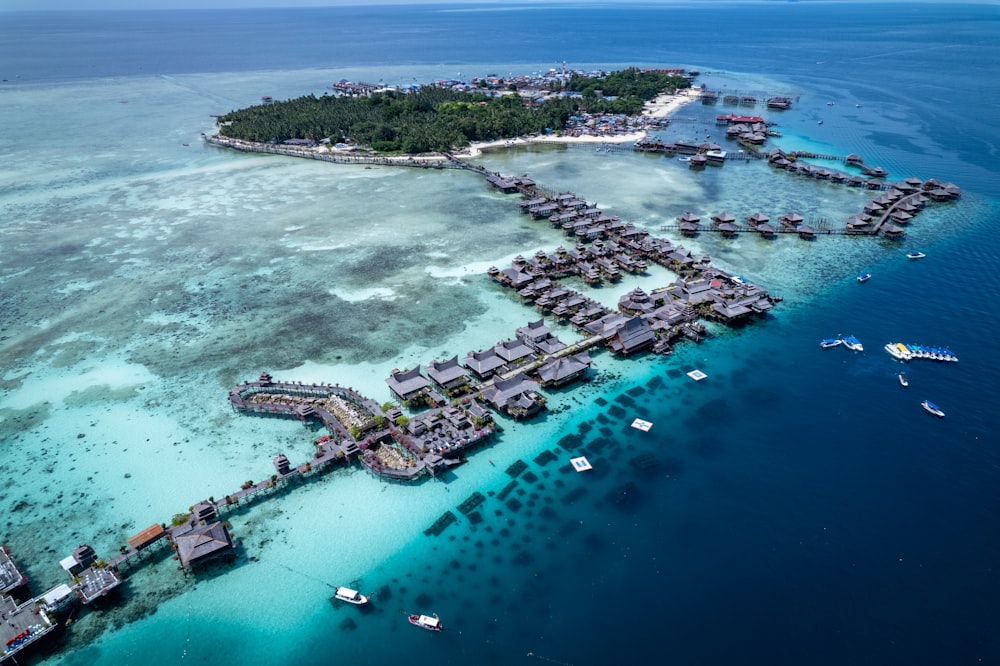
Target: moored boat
[(906, 352), (899, 351), (831, 342), (903, 381), (350, 596), (864, 277), (915, 254), (430, 623), (931, 408), (853, 343)]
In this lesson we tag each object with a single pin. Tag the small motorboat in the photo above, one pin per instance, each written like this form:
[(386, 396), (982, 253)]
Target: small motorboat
[(853, 343), (931, 408), (830, 342), (903, 381), (915, 254), (350, 596), (430, 623), (864, 277), (820, 122)]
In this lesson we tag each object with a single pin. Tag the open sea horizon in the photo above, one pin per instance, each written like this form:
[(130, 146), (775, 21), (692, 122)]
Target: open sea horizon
[(802, 509)]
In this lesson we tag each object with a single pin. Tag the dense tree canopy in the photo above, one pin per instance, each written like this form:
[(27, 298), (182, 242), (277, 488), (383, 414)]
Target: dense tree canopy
[(434, 119)]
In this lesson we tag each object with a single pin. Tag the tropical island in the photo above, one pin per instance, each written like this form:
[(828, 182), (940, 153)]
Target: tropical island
[(444, 116)]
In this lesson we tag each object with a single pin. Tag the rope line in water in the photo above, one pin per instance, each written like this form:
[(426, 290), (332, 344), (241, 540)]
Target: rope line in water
[(551, 661)]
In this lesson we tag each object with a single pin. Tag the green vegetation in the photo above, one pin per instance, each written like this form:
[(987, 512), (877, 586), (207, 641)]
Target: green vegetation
[(432, 119), (179, 518), (630, 84)]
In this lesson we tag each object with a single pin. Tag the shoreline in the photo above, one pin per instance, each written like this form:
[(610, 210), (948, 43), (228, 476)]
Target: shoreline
[(660, 107)]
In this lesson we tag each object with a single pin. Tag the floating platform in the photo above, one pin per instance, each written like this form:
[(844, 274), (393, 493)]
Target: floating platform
[(581, 464), (640, 424), (697, 375)]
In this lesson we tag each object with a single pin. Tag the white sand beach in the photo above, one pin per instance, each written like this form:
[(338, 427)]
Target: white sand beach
[(660, 107)]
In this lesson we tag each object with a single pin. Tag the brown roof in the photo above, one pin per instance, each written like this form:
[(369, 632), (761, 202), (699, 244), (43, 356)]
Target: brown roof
[(147, 536), (202, 542)]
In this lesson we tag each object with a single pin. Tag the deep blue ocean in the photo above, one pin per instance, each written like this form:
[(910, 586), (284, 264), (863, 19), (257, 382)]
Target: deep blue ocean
[(804, 510)]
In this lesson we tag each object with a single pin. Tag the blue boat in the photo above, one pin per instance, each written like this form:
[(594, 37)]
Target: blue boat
[(931, 408), (864, 277), (853, 343), (831, 342)]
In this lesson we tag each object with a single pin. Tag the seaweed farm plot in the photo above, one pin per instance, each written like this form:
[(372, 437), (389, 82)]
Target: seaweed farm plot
[(526, 532)]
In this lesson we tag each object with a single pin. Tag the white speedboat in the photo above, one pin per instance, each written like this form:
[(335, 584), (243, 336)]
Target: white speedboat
[(830, 342), (430, 623), (899, 351), (903, 381), (853, 343), (864, 277), (931, 408), (915, 254), (350, 596)]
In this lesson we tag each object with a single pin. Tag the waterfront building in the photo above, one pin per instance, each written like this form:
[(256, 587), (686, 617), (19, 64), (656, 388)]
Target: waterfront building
[(516, 396), (633, 336), (514, 352), (407, 384), (563, 370), (483, 364), (449, 375), (203, 543)]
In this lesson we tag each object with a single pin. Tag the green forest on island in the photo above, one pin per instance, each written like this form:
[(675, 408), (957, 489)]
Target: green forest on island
[(435, 119)]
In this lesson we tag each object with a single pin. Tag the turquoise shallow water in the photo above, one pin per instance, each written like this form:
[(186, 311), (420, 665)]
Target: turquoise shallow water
[(801, 508)]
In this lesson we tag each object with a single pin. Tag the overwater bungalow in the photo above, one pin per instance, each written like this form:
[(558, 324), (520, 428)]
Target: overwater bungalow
[(633, 336), (757, 218), (483, 364), (791, 220), (861, 222), (449, 375), (203, 543), (587, 314), (721, 218), (533, 331), (515, 277), (806, 232), (766, 230), (407, 384), (534, 202), (636, 302), (608, 268), (728, 229), (517, 396), (563, 370), (892, 231), (779, 103), (513, 352)]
